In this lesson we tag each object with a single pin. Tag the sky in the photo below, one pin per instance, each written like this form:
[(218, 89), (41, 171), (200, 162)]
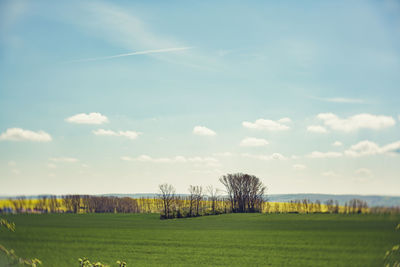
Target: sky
[(122, 96)]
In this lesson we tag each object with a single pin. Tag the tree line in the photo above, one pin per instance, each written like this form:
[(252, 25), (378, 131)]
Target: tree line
[(243, 193), (329, 206)]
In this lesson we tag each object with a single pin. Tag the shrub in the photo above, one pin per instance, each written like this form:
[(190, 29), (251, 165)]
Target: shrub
[(10, 253), (85, 262)]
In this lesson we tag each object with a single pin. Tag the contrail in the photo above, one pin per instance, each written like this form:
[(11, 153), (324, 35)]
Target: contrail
[(145, 52)]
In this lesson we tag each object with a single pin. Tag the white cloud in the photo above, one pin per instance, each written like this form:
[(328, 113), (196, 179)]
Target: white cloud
[(337, 143), (356, 122), (128, 134), (274, 156), (177, 159), (320, 155), (105, 132), (341, 100), (363, 148), (299, 167), (253, 142), (269, 125), (201, 130), (368, 148), (18, 134), (64, 159), (316, 129), (91, 118)]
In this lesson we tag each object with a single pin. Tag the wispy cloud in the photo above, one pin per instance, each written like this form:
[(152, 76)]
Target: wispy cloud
[(144, 52), (128, 134), (129, 31), (210, 161), (340, 100), (269, 125), (64, 159), (320, 155), (274, 156)]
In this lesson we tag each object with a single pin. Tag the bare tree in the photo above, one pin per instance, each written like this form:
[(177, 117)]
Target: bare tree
[(195, 197), (192, 198), (306, 204), (317, 206), (357, 205), (213, 195), (53, 204), (41, 204), (167, 196), (336, 209), (198, 197), (329, 205), (72, 203), (18, 203)]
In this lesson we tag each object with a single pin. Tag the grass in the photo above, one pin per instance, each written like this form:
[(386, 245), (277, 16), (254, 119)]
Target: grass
[(224, 240)]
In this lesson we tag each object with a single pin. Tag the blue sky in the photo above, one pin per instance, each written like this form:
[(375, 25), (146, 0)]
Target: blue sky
[(121, 96)]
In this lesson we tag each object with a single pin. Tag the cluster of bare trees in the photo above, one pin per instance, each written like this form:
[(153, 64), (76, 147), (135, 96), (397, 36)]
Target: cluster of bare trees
[(41, 204), (355, 206), (385, 210), (76, 204), (245, 194), (100, 204), (294, 206), (197, 203)]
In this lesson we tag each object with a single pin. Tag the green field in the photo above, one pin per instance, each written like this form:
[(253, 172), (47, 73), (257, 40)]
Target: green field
[(224, 240)]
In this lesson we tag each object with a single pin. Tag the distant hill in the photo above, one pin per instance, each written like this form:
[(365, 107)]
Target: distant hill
[(372, 200)]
